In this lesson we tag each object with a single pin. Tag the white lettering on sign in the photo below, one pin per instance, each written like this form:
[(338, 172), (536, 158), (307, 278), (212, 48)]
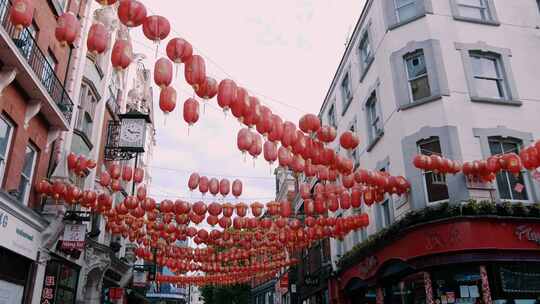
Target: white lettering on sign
[(527, 233)]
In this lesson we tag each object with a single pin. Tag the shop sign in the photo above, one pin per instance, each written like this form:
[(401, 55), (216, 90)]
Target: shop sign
[(18, 236), (116, 293), (49, 286), (527, 233), (310, 280), (74, 236)]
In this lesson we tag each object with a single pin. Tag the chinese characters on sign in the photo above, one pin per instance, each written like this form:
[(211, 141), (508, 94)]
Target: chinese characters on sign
[(47, 295), (74, 237)]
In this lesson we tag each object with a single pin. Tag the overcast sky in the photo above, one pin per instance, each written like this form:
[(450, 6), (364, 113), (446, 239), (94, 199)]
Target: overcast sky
[(283, 51)]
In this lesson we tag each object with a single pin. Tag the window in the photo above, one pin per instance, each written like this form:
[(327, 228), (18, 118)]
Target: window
[(346, 92), (479, 11), (386, 218), (332, 116), (6, 130), (405, 9), (365, 51), (60, 282), (488, 79), (418, 73), (354, 153), (510, 187), (435, 183), (87, 108), (27, 173), (375, 127), (538, 4), (417, 76), (488, 73)]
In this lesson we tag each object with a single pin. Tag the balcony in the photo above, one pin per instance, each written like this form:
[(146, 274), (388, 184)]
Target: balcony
[(34, 73)]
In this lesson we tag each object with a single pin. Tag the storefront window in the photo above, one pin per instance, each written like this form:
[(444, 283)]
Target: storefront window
[(14, 274), (60, 282), (410, 290), (517, 283), (457, 284)]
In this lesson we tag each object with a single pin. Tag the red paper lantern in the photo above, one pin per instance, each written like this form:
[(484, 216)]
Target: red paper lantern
[(122, 54), (179, 50), (224, 187), (71, 161), (43, 187), (256, 209), (167, 100), (21, 13), (309, 123), (138, 175), (227, 91), (289, 134), (67, 28), (208, 89), (203, 184), (285, 157), (105, 179), (97, 40), (277, 129), (244, 140), (326, 134), (348, 140), (256, 147), (115, 170), (237, 188), (127, 173), (270, 152), (193, 181), (213, 186), (163, 72), (240, 104), (195, 71), (131, 13), (252, 114), (156, 28), (264, 125), (191, 111)]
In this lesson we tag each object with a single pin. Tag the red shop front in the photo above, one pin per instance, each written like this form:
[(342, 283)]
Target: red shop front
[(465, 260)]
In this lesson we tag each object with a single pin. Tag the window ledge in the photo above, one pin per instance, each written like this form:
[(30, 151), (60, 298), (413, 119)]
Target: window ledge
[(366, 68), (401, 23), (506, 102), (420, 102), (347, 105), (374, 141), (478, 21)]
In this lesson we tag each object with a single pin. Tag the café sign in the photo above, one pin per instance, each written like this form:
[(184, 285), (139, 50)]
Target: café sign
[(528, 233), (18, 236)]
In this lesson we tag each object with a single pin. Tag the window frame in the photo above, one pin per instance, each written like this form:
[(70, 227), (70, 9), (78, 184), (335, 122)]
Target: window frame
[(422, 7), (23, 197), (491, 11), (467, 50), (425, 173), (410, 78), (366, 37), (5, 159), (355, 153), (331, 115), (436, 73), (346, 91), (523, 174), (372, 137), (498, 78)]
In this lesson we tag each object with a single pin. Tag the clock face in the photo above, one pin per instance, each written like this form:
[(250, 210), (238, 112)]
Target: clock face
[(132, 132)]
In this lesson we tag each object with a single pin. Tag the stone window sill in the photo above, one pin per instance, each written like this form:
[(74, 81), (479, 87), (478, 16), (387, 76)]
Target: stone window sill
[(420, 102), (477, 21), (401, 23), (506, 102)]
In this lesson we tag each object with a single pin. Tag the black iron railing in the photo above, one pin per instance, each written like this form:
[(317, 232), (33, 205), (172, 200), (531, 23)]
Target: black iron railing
[(42, 68)]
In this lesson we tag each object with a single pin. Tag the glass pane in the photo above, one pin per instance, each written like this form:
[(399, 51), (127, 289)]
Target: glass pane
[(510, 147), (67, 277), (416, 65), (485, 67), (473, 12), (365, 50), (400, 3), (420, 88), (436, 191), (478, 3), (495, 147), (490, 88), (29, 156), (5, 131), (504, 188), (386, 213), (407, 11), (64, 297)]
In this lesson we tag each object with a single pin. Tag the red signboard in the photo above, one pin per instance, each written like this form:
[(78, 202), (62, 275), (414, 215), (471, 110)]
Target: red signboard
[(116, 293), (446, 237), (284, 281)]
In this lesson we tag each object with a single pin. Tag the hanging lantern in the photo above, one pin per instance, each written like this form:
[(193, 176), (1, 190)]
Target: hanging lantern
[(127, 173), (277, 129), (224, 187), (67, 28), (141, 193), (285, 157), (213, 186), (97, 40), (163, 72), (167, 100), (131, 13), (156, 28), (227, 91), (349, 141), (208, 89), (179, 50), (289, 134), (240, 103), (115, 170), (256, 147), (300, 144), (256, 209), (191, 111), (326, 134), (105, 179), (71, 161), (21, 13), (138, 175), (195, 71), (215, 209), (199, 208), (237, 188), (193, 181), (106, 2), (43, 187), (203, 184), (244, 140), (270, 152), (264, 126), (252, 114), (309, 123), (122, 54)]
